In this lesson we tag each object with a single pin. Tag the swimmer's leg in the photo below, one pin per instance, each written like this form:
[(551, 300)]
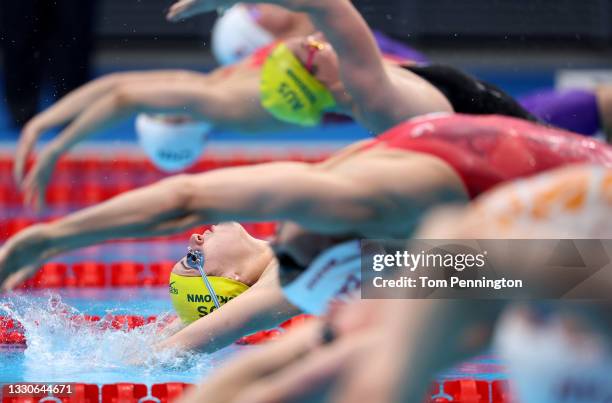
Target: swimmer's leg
[(574, 110)]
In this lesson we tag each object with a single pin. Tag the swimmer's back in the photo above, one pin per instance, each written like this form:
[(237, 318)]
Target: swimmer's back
[(573, 202), (467, 94), (488, 150)]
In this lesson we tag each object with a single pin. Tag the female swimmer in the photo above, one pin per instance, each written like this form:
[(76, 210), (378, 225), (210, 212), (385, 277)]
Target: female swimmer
[(292, 83), (406, 351), (225, 267), (359, 192)]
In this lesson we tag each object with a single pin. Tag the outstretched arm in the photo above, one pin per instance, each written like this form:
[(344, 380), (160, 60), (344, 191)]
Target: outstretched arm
[(360, 59), (192, 97), (78, 100), (320, 200), (263, 306), (382, 100)]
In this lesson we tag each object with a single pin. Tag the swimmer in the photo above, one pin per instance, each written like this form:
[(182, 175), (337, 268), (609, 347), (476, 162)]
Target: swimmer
[(406, 351), (582, 111), (358, 192), (241, 276), (261, 24), (347, 75), (245, 28)]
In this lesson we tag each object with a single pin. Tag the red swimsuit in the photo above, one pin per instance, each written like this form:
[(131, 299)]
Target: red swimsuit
[(488, 150)]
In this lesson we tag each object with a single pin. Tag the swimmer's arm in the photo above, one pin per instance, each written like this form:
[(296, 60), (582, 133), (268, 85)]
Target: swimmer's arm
[(381, 102), (320, 200), (192, 98), (383, 98), (274, 191), (78, 100), (361, 64), (261, 307)]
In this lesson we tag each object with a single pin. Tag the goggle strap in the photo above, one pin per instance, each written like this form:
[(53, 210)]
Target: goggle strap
[(312, 51), (210, 288)]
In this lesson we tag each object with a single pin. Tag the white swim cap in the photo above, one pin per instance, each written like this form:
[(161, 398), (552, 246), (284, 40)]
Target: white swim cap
[(171, 146), (236, 35), (549, 365)]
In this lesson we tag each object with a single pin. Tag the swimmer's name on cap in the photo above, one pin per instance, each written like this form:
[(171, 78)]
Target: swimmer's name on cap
[(192, 301)]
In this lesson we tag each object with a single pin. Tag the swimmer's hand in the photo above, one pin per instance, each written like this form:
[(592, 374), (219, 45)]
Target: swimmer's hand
[(21, 256), (36, 181), (188, 8), (27, 140)]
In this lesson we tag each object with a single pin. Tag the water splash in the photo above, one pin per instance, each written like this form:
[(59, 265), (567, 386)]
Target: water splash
[(62, 345)]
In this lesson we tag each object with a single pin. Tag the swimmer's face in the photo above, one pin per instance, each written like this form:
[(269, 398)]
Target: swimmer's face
[(224, 246), (324, 63)]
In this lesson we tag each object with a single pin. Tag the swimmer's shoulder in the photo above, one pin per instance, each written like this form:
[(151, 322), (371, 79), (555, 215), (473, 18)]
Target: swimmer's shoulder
[(269, 277)]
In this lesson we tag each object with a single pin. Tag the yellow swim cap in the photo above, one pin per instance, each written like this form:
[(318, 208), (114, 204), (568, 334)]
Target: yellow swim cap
[(191, 299), (290, 93)]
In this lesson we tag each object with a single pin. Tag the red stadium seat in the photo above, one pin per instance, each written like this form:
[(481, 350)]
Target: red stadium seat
[(169, 392), (123, 393), (20, 399), (160, 272), (51, 275), (10, 195), (500, 392), (126, 274), (89, 274), (467, 391), (62, 194), (83, 393), (17, 224)]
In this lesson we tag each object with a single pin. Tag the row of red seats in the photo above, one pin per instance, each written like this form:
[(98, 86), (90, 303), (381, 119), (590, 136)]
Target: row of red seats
[(470, 391), (10, 227), (114, 393), (66, 194), (457, 391), (95, 275)]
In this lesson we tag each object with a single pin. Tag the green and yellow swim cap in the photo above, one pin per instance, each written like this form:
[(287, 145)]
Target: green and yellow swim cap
[(290, 93), (191, 299)]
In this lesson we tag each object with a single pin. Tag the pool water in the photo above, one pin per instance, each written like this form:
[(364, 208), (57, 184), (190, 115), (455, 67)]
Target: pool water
[(60, 351)]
